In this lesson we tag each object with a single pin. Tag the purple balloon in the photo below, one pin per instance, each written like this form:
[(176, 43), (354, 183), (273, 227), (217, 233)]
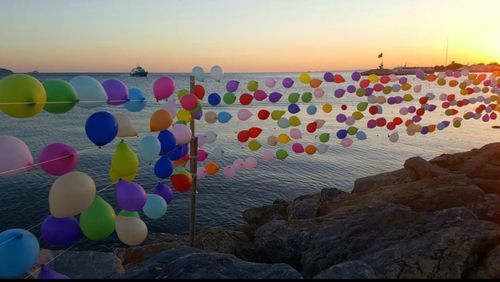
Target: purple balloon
[(372, 123), (232, 85), (368, 91), (116, 90), (419, 74), (432, 108), (403, 80), (351, 88), (165, 192), (130, 196), (391, 100), (416, 118), (339, 93), (356, 76), (275, 97), (198, 115), (60, 232), (328, 77), (341, 118), (412, 109), (287, 82), (47, 273)]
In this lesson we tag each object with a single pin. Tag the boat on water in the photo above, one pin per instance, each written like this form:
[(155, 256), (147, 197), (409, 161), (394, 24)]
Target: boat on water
[(398, 71), (138, 71)]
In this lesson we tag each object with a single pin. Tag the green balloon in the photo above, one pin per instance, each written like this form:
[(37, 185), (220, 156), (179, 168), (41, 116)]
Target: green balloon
[(307, 97), (281, 154), (352, 130), (128, 214), (61, 96), (21, 96), (181, 93), (360, 92), (98, 220), (198, 109), (362, 106), (387, 90), (252, 85), (181, 122), (325, 137), (229, 98), (293, 98)]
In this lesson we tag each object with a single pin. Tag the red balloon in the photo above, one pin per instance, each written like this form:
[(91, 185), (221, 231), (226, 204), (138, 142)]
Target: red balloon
[(263, 114), (311, 127), (385, 79), (182, 183), (450, 97), (420, 112), (381, 122), (364, 83), (445, 105), (397, 121), (373, 110), (423, 100), (199, 91), (338, 78), (343, 107), (243, 136), (246, 99), (185, 157), (391, 126), (432, 77), (255, 132)]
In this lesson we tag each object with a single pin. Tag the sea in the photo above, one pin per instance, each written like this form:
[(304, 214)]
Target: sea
[(220, 201)]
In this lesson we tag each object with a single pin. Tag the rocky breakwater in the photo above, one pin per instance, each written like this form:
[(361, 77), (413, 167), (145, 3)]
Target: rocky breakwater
[(430, 219)]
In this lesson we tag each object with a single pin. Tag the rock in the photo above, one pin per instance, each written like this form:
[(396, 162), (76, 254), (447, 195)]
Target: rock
[(228, 242), (490, 268), (373, 182), (80, 265), (488, 208), (487, 171), (329, 194), (248, 229), (488, 185), (303, 207), (348, 270), (451, 162), (190, 263), (261, 215), (5, 72), (420, 168)]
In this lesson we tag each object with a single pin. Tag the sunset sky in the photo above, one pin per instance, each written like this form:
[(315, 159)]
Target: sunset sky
[(243, 35)]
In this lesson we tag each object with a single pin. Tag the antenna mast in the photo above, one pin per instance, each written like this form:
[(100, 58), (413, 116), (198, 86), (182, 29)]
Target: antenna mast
[(446, 59)]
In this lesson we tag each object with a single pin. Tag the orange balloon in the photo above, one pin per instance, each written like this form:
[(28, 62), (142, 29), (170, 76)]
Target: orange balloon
[(432, 128), (211, 168), (160, 120), (453, 83), (408, 122), (315, 83), (178, 163), (310, 149)]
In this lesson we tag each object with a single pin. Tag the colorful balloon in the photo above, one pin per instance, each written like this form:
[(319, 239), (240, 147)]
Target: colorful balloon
[(163, 167), (155, 207), (214, 99), (130, 196), (163, 88), (149, 148), (229, 172), (189, 102), (224, 117), (21, 96), (70, 194), (232, 85), (281, 154), (124, 163), (125, 126), (270, 82), (244, 114), (116, 91), (98, 220), (131, 231), (89, 90), (101, 128), (19, 250), (47, 273), (60, 232), (58, 159), (182, 134), (137, 101), (61, 96), (268, 155), (250, 163), (165, 192), (16, 156)]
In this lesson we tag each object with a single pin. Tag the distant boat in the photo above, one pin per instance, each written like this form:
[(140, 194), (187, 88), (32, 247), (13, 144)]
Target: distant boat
[(398, 71), (138, 71)]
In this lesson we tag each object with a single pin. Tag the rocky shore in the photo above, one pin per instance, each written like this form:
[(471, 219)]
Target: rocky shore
[(430, 219)]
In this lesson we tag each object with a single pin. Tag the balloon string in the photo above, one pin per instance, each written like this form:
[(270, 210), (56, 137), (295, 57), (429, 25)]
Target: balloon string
[(72, 102)]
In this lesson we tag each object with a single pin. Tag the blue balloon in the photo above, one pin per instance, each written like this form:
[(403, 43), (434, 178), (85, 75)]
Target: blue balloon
[(224, 117), (137, 100), (361, 135), (178, 152), (101, 128), (293, 108), (163, 168), (342, 133), (149, 148), (311, 110), (155, 206), (19, 250), (167, 141), (214, 99)]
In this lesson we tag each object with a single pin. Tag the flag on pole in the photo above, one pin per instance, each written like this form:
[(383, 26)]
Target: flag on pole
[(380, 55)]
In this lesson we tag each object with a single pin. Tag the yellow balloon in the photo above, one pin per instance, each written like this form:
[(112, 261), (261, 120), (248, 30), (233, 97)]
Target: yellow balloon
[(183, 115), (373, 78), (254, 145), (252, 85), (294, 121), (125, 162), (272, 140), (406, 86), (276, 115), (408, 97), (71, 194), (327, 108), (305, 78), (283, 138), (131, 230), (21, 96), (358, 115)]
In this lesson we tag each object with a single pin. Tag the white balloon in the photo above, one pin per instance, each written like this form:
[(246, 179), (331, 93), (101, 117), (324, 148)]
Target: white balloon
[(218, 152), (131, 230), (216, 73), (202, 139), (90, 91), (322, 148), (71, 194), (199, 73), (211, 137), (394, 137), (125, 126), (15, 156)]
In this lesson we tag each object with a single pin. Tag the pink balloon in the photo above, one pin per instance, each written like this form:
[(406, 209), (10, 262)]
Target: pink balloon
[(15, 156), (189, 102), (347, 142), (238, 164), (201, 173), (58, 159), (244, 114), (270, 82), (250, 163), (295, 133), (318, 92), (259, 95), (268, 155), (163, 87), (417, 88), (229, 172), (202, 155), (297, 148), (350, 120), (202, 139)]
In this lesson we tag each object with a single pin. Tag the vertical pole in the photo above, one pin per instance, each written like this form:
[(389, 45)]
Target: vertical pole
[(193, 162)]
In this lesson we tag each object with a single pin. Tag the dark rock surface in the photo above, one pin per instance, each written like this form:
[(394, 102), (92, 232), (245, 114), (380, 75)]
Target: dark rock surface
[(354, 269)]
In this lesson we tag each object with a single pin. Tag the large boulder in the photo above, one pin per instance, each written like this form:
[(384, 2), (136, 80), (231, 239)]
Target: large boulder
[(261, 215), (303, 207), (191, 263), (348, 270), (376, 181), (420, 168)]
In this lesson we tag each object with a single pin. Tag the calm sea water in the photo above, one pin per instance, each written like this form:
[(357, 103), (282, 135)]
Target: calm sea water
[(220, 200)]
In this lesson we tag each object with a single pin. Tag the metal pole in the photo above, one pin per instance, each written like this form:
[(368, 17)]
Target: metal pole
[(193, 162)]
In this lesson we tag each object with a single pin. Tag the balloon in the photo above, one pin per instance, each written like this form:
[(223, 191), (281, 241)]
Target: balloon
[(283, 123), (311, 110), (70, 194), (130, 196), (98, 220), (311, 127), (155, 206), (272, 140), (210, 117), (202, 155), (19, 250), (254, 145), (199, 91), (268, 155), (394, 137), (293, 108), (250, 163), (305, 78), (283, 138), (116, 90), (101, 128), (293, 98), (306, 97), (58, 159), (150, 147), (178, 152), (163, 167), (224, 117), (346, 142), (327, 108), (315, 83), (211, 168), (125, 161), (322, 148), (182, 134), (243, 136), (270, 82), (47, 273), (189, 102), (125, 126), (259, 95), (252, 85), (310, 149), (21, 96), (163, 88), (61, 96), (246, 99), (276, 115), (297, 148), (328, 77), (325, 137), (165, 192), (202, 139), (167, 143), (211, 137), (181, 182), (232, 85), (229, 172), (137, 101), (263, 114), (16, 156), (238, 164), (275, 97), (160, 120), (281, 154), (170, 106), (338, 78), (288, 82), (294, 121), (295, 133), (198, 73), (60, 232), (320, 123), (356, 76), (89, 90), (244, 114), (318, 93), (216, 73), (361, 135), (131, 231), (201, 173), (214, 99)]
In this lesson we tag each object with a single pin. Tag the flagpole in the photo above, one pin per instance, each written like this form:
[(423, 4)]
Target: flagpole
[(193, 162)]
